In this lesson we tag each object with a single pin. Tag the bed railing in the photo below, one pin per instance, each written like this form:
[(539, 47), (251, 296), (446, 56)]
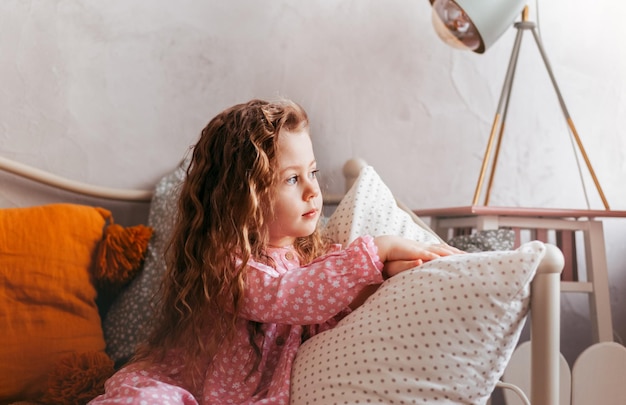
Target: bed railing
[(63, 183)]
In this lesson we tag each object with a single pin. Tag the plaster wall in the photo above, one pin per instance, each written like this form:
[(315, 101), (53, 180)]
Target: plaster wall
[(114, 93)]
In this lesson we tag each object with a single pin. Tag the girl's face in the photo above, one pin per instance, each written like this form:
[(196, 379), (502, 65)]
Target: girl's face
[(296, 194)]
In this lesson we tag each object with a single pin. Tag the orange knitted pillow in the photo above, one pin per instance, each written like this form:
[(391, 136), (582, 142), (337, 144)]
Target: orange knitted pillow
[(47, 294)]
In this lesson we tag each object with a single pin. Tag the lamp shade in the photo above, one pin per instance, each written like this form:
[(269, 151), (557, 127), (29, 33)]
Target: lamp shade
[(474, 24)]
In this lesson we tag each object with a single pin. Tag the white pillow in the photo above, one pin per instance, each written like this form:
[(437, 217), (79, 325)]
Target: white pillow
[(442, 332), (369, 208)]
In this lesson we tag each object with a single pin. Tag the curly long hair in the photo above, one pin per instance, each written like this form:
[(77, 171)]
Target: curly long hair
[(224, 205)]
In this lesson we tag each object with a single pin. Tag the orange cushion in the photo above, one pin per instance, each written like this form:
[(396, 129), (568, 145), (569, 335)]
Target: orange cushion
[(47, 298)]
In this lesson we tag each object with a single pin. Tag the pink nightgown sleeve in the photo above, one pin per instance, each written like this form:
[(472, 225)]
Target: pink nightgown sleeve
[(313, 293)]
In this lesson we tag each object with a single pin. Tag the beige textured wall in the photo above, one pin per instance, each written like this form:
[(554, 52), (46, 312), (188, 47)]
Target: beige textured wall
[(114, 93)]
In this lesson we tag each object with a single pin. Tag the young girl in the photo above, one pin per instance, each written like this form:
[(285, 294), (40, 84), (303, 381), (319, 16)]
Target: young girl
[(249, 275)]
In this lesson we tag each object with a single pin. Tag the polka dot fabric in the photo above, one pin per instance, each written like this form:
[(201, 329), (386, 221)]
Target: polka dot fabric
[(440, 333), (127, 320), (369, 208)]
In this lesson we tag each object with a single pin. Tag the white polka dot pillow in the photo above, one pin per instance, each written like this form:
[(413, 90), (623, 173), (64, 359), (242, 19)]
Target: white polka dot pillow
[(440, 333), (369, 208), (127, 320)]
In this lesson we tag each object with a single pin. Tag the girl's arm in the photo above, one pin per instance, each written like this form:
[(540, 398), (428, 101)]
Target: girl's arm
[(400, 254), (314, 293)]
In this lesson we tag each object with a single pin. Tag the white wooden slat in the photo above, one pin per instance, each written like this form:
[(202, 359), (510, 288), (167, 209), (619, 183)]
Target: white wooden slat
[(518, 373), (599, 375)]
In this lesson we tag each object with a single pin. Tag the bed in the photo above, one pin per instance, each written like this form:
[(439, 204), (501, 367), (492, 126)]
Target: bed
[(345, 366)]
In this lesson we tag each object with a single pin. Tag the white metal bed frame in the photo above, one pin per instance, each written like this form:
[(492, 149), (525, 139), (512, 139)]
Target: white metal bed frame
[(545, 289)]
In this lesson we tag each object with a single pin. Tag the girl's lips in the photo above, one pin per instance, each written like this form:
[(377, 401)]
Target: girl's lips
[(310, 214)]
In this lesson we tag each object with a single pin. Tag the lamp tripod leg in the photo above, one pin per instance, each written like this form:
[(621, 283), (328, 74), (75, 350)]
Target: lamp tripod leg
[(486, 156), (495, 161), (570, 123), (506, 95), (497, 125)]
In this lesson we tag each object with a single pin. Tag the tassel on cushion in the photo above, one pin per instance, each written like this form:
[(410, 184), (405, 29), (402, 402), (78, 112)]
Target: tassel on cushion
[(121, 253), (78, 378)]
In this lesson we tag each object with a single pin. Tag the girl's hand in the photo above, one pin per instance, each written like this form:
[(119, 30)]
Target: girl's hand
[(400, 254), (391, 268)]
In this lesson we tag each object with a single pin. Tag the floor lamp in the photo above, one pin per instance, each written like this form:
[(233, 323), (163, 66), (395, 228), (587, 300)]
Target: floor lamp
[(475, 25)]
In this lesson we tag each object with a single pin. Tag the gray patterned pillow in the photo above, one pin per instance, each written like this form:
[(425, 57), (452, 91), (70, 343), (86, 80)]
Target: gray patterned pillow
[(483, 241), (127, 320)]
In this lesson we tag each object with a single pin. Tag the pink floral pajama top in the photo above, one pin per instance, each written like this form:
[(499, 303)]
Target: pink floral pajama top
[(291, 302)]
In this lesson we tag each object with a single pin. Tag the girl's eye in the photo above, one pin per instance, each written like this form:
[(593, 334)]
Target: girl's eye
[(295, 178)]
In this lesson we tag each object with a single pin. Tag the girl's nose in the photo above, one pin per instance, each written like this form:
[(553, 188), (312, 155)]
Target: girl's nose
[(312, 190)]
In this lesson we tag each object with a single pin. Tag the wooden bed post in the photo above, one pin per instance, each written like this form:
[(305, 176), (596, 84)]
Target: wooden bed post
[(545, 329), (351, 170)]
